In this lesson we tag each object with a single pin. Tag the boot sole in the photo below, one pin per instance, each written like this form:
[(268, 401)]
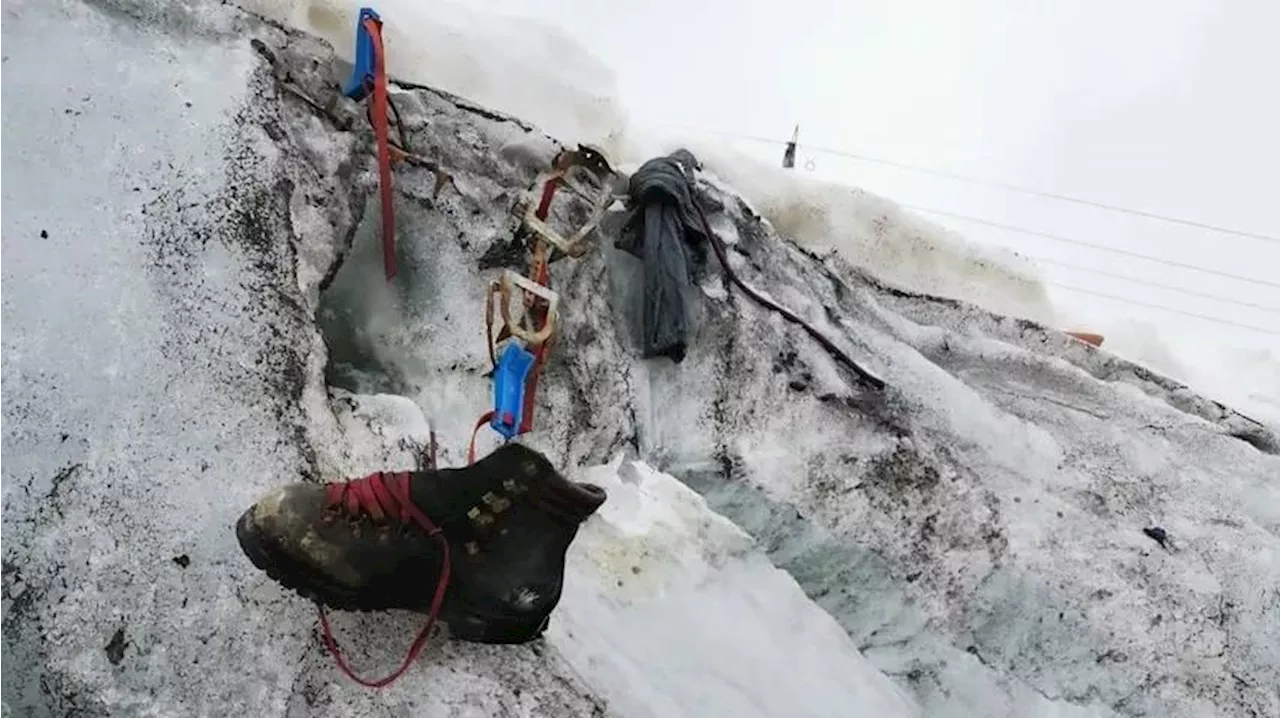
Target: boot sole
[(470, 627)]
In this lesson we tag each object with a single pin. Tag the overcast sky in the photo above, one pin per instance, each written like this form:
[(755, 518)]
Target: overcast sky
[(1167, 106)]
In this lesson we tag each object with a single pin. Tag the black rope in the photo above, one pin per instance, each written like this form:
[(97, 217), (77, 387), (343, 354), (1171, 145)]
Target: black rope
[(368, 114), (787, 314)]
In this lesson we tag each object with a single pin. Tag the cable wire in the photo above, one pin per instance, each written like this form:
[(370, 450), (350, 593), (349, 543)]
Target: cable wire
[(1082, 243), (1078, 242), (1205, 317), (1159, 285), (996, 184)]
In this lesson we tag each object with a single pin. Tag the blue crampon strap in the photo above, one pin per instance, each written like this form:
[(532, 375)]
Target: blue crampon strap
[(362, 71), (509, 379)]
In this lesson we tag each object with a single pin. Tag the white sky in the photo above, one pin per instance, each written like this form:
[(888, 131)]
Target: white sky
[(1168, 106)]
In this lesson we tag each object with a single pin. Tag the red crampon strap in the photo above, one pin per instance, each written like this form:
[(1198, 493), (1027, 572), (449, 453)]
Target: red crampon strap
[(537, 311), (471, 446), (548, 192), (541, 275), (377, 496), (378, 111)]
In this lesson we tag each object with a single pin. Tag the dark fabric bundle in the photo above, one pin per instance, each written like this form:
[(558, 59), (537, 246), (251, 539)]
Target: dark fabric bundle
[(664, 232)]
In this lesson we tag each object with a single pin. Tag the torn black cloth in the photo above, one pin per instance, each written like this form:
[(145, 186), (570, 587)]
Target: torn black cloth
[(663, 231)]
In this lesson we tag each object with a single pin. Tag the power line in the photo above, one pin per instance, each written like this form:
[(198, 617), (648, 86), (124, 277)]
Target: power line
[(1055, 237), (1059, 238), (996, 184), (1170, 287), (1126, 300), (1082, 243), (1133, 279), (1161, 307), (1052, 195)]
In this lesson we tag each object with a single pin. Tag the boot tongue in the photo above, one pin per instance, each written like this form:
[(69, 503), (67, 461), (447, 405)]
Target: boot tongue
[(510, 470), (571, 500), (445, 495)]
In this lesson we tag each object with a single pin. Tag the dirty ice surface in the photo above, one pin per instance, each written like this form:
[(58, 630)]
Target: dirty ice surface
[(977, 528), (179, 379), (670, 613), (669, 609), (495, 53), (538, 73), (148, 407)]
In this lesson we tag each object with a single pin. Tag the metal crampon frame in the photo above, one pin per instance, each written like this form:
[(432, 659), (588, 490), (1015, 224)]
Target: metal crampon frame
[(586, 174)]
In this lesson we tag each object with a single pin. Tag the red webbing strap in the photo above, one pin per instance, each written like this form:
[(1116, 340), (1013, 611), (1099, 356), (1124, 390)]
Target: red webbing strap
[(437, 601), (548, 192), (538, 312), (378, 110), (471, 446)]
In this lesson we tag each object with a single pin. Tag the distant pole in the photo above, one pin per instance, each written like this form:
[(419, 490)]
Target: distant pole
[(789, 155)]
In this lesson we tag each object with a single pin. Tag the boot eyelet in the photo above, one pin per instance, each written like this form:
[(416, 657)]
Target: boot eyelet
[(480, 519), (497, 503)]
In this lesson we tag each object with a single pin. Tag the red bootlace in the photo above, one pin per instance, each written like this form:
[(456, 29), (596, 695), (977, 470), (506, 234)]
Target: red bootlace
[(381, 495)]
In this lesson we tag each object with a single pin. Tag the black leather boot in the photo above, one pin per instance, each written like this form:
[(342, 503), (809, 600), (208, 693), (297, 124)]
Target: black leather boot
[(483, 545)]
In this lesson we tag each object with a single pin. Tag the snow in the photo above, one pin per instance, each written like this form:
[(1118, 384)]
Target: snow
[(672, 614), (977, 530), (538, 73), (159, 376), (529, 69), (967, 543), (500, 55), (126, 444), (669, 609), (141, 418)]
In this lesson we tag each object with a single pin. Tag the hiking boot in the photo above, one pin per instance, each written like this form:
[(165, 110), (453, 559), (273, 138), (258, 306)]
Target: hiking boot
[(483, 545)]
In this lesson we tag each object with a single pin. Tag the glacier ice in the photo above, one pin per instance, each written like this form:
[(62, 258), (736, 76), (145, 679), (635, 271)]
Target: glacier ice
[(174, 225)]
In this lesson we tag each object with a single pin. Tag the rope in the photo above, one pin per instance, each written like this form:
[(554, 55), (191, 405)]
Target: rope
[(718, 245)]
